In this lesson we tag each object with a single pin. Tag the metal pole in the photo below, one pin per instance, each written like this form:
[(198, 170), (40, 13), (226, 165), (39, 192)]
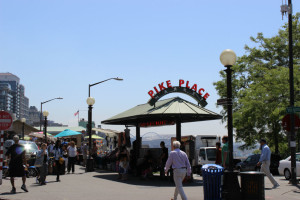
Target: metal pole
[(42, 110), (178, 131), (89, 90), (1, 154), (90, 130), (229, 116), (23, 130), (138, 139), (41, 114), (292, 97), (45, 129)]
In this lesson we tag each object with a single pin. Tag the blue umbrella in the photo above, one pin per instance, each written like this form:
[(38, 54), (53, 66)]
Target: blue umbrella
[(67, 133)]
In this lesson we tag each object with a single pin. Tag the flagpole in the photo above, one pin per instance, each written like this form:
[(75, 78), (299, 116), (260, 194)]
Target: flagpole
[(78, 117)]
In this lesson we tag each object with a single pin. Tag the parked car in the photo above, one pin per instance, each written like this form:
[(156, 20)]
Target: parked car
[(30, 149), (250, 164), (285, 167)]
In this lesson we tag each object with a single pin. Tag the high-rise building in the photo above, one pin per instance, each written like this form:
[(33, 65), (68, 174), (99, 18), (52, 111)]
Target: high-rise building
[(34, 116), (12, 96)]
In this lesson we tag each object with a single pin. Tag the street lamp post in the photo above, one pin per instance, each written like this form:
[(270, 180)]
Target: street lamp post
[(231, 188), (228, 58), (42, 109), (90, 101), (45, 114), (91, 85), (23, 120), (288, 9)]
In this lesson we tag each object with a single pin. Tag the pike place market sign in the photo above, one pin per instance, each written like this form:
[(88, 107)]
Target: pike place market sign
[(184, 87)]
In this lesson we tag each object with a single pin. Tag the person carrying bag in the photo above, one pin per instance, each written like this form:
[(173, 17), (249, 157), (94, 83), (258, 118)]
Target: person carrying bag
[(42, 163)]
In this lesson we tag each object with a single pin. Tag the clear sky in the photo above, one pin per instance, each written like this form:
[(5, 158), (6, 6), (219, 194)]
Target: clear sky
[(58, 47)]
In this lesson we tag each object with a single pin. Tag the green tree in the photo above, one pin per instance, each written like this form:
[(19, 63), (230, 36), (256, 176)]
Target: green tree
[(261, 88)]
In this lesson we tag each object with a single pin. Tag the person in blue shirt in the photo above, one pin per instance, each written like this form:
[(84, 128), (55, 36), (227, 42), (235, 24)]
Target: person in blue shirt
[(265, 161)]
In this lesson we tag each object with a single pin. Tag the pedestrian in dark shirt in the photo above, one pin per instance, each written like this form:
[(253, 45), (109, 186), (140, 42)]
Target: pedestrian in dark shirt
[(16, 154), (218, 154), (163, 159)]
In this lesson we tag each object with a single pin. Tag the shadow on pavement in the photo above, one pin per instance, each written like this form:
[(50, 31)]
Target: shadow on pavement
[(8, 193), (151, 182)]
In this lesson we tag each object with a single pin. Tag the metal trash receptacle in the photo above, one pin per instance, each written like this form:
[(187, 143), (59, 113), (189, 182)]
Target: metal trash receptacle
[(212, 184), (253, 185)]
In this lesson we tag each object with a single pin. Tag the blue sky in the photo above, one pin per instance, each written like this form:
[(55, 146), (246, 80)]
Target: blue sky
[(58, 47)]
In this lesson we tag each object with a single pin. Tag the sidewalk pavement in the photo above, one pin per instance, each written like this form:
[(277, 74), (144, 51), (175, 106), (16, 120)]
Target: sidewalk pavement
[(104, 185)]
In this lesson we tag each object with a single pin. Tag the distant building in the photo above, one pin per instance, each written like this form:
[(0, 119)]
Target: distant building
[(6, 99), (52, 123), (83, 123), (34, 116), (12, 96)]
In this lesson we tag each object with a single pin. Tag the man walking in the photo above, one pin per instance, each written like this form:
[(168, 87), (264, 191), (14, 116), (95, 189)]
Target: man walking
[(16, 154), (265, 160), (225, 154), (181, 165)]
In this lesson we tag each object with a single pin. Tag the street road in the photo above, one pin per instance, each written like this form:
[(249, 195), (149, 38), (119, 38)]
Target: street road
[(104, 185)]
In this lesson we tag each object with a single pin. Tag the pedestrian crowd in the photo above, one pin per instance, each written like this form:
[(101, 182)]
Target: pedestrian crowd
[(62, 157), (65, 155)]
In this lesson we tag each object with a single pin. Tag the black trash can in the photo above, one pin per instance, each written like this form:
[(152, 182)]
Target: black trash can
[(212, 184), (253, 185), (89, 165), (231, 189)]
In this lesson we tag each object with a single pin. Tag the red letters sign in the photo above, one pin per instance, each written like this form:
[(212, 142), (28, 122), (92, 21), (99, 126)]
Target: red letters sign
[(5, 120), (157, 123), (185, 87)]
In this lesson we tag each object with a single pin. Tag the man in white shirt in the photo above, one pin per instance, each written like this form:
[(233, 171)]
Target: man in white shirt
[(265, 161)]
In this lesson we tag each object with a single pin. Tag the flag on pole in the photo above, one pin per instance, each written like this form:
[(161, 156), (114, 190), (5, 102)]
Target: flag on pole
[(76, 113)]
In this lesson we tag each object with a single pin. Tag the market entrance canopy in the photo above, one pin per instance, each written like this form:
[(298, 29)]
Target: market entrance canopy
[(165, 112)]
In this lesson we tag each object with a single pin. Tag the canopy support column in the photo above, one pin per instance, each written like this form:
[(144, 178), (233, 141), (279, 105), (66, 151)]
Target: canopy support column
[(178, 131), (138, 139)]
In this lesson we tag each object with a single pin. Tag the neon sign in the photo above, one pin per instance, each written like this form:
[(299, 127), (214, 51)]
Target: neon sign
[(184, 87)]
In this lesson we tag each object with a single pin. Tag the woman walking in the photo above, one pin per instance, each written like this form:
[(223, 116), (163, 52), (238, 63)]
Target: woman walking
[(42, 163), (72, 152), (65, 156), (58, 159), (181, 165)]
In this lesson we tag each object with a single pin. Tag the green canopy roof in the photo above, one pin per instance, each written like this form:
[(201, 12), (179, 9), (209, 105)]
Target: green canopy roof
[(176, 109)]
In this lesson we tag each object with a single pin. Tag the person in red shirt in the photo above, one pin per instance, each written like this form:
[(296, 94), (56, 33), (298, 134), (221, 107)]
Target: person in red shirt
[(218, 154)]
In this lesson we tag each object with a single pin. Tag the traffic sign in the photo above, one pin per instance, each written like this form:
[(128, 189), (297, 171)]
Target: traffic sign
[(5, 120), (224, 102), (286, 122), (291, 110)]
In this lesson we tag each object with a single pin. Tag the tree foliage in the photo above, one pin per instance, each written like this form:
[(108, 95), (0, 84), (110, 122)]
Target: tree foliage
[(261, 87)]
